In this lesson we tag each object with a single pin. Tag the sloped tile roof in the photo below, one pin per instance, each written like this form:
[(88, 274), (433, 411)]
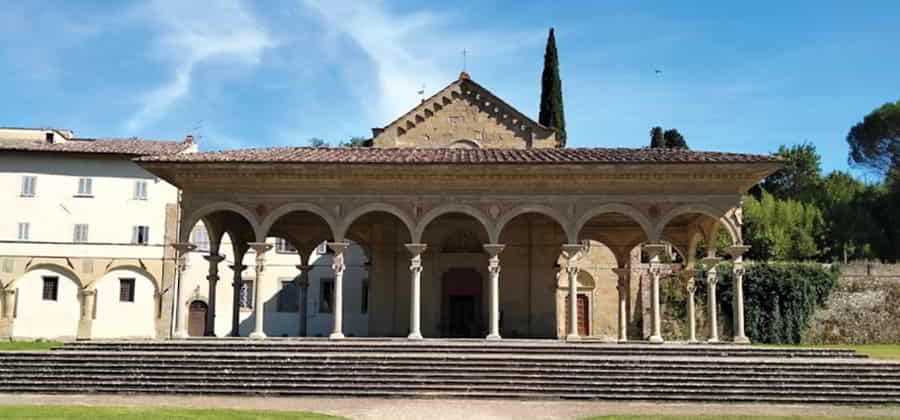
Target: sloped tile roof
[(371, 155), (128, 147)]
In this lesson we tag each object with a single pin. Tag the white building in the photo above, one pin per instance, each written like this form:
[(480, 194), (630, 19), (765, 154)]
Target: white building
[(84, 248)]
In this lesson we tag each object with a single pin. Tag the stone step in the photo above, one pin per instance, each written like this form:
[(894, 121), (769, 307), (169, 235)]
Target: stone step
[(376, 380)]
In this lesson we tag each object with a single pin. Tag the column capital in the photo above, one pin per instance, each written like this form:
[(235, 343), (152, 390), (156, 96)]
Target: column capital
[(622, 272), (416, 249), (237, 267), (494, 250), (737, 251), (654, 250), (87, 292), (9, 291), (259, 247), (710, 262), (570, 251), (338, 247), (183, 247), (304, 268), (214, 258)]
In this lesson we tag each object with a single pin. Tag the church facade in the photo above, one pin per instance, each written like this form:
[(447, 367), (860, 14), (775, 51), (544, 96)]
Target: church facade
[(474, 223)]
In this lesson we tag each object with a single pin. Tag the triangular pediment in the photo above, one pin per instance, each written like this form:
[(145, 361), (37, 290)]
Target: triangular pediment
[(464, 114)]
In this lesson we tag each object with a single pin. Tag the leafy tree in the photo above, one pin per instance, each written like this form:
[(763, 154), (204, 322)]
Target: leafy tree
[(355, 141), (551, 112), (317, 142), (657, 137), (875, 142), (674, 139), (782, 229), (801, 175)]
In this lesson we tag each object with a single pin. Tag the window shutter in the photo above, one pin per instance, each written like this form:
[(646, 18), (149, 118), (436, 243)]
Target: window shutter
[(135, 234)]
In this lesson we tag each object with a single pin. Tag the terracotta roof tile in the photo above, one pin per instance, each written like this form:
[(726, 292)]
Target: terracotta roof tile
[(129, 147), (371, 155)]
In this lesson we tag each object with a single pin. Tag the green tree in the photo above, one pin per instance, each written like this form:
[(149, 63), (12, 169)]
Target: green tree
[(317, 142), (801, 176), (551, 112), (355, 141), (657, 137), (875, 142), (674, 139), (782, 229)]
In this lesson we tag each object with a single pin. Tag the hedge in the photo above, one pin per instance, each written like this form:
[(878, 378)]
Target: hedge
[(779, 298)]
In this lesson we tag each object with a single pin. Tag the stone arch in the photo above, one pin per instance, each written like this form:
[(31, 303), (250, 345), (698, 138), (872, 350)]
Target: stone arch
[(289, 208), (453, 208), (705, 209), (533, 208), (114, 317), (638, 216), (208, 209), (371, 208), (57, 268), (131, 267), (464, 144)]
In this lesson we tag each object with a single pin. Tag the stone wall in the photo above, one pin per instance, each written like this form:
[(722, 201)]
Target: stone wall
[(864, 308)]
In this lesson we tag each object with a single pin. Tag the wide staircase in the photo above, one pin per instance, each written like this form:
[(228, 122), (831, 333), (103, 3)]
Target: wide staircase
[(524, 369)]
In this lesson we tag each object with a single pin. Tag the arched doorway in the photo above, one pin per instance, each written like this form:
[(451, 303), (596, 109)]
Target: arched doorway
[(462, 303), (197, 318)]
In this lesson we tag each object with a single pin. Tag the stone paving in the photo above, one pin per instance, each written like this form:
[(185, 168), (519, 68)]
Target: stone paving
[(400, 409)]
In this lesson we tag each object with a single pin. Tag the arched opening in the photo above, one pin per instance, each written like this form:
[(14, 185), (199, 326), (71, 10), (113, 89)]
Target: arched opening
[(528, 292), (48, 304), (125, 304), (453, 263), (377, 281)]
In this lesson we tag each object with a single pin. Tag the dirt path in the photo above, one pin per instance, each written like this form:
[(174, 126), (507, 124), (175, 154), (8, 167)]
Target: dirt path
[(380, 408)]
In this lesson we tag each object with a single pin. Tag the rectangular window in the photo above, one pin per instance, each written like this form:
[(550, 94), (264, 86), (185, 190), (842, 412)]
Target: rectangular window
[(81, 233), (201, 238), (365, 297), (326, 296), (126, 290), (246, 297), (284, 247), (51, 288), (29, 182), (140, 235), (24, 231), (288, 297), (84, 187), (140, 190)]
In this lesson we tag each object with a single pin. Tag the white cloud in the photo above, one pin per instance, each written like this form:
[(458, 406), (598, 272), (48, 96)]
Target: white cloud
[(190, 34), (409, 50)]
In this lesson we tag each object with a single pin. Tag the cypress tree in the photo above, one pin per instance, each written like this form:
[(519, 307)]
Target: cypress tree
[(674, 139), (551, 113), (657, 138)]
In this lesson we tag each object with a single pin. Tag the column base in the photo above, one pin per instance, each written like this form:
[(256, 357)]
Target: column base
[(336, 336), (493, 337), (414, 336), (741, 339), (180, 334), (573, 337), (258, 335), (693, 341), (655, 339), (713, 340)]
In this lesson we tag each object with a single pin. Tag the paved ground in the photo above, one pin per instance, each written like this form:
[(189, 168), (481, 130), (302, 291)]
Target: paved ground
[(379, 408)]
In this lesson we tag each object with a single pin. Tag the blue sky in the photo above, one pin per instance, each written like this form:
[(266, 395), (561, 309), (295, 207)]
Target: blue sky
[(736, 77)]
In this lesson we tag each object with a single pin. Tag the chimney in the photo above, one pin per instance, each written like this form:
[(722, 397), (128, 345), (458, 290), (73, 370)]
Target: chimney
[(189, 139)]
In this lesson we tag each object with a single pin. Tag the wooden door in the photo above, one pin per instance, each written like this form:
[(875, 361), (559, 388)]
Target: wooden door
[(197, 319), (462, 316), (584, 318)]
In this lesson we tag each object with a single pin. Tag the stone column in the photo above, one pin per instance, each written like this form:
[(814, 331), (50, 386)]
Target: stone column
[(493, 251), (236, 284), (572, 253), (712, 279), (653, 251), (691, 287), (338, 307), (181, 257), (88, 300), (9, 303), (213, 278), (258, 305), (415, 295), (737, 254), (622, 288), (303, 298)]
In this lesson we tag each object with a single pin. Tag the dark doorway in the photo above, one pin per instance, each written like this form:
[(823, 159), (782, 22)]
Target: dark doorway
[(461, 314), (197, 318), (584, 319)]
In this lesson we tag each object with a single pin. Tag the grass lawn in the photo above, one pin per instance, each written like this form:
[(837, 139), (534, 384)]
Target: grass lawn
[(28, 345), (877, 351), (149, 413)]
